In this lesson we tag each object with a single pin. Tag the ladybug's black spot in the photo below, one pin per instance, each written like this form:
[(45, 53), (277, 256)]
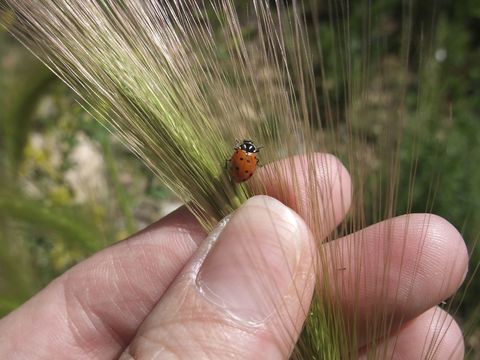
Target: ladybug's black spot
[(241, 159), (250, 175), (237, 168), (246, 171)]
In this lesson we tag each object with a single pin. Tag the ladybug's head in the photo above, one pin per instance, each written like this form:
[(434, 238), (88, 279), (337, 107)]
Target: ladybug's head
[(248, 146)]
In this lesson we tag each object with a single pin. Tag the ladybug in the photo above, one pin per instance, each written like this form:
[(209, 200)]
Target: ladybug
[(244, 161)]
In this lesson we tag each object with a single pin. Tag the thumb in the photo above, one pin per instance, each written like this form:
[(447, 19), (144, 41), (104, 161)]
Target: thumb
[(244, 294)]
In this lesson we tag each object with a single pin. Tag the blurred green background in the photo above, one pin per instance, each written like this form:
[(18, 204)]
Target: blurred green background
[(69, 188)]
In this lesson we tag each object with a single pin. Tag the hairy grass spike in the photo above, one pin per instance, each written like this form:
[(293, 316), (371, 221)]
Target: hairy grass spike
[(104, 51)]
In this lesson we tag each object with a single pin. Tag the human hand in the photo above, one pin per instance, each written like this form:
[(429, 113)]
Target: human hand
[(171, 291)]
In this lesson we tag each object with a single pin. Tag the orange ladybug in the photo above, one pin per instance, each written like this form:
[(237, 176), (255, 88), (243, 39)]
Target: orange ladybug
[(244, 161)]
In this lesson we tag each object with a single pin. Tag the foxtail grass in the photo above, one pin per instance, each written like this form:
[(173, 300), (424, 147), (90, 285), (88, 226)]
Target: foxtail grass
[(179, 82)]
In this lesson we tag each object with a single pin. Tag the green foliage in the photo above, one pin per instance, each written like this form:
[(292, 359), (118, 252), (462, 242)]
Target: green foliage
[(19, 98)]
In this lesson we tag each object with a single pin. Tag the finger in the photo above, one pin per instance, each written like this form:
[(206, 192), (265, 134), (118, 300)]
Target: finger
[(432, 335), (244, 295), (317, 186), (396, 270), (93, 310)]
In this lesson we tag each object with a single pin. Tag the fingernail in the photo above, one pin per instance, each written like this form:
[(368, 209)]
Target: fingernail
[(249, 269)]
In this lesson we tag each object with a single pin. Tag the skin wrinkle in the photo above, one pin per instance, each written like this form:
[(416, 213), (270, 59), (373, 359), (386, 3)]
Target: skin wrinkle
[(116, 270), (171, 251), (103, 327), (112, 277), (73, 326), (143, 254), (140, 292), (51, 316), (82, 339), (80, 302)]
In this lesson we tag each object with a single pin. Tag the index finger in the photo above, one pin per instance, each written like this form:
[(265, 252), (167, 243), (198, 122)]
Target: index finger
[(317, 186)]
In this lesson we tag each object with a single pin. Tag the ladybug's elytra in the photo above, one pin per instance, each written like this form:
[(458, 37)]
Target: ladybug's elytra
[(244, 161)]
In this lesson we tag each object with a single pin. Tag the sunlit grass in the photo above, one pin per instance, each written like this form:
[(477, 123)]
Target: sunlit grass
[(180, 82)]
